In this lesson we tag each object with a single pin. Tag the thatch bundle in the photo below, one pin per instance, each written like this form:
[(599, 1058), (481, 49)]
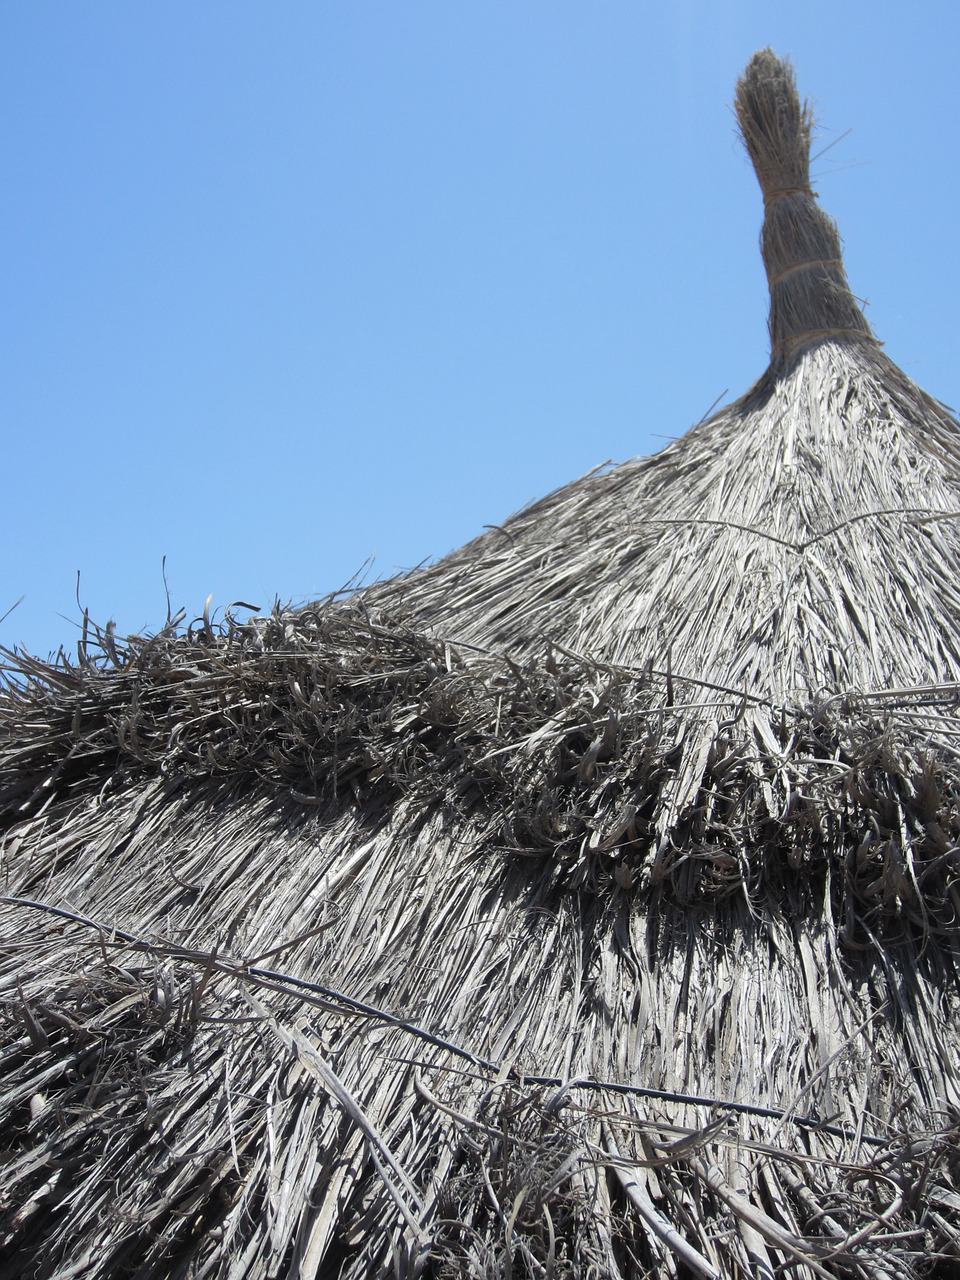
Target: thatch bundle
[(585, 904)]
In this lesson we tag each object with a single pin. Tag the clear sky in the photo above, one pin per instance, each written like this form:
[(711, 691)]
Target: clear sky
[(289, 285)]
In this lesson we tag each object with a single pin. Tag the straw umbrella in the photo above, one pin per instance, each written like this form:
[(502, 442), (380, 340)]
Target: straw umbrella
[(582, 905)]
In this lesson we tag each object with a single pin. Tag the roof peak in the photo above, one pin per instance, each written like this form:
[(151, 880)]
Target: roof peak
[(809, 294)]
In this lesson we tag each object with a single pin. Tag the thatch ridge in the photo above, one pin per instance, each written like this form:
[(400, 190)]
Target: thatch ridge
[(809, 295), (586, 904)]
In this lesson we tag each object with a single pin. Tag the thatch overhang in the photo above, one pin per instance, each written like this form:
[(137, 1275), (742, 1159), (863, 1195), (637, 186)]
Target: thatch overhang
[(584, 904)]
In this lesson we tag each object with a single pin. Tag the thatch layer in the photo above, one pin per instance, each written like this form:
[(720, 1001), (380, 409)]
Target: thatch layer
[(615, 775), (504, 857), (803, 543)]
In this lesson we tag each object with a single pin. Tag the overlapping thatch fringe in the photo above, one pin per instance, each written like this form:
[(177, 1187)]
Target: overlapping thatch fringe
[(587, 904), (614, 774)]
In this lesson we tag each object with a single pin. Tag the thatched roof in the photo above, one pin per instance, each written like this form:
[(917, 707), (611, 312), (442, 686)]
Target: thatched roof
[(585, 904)]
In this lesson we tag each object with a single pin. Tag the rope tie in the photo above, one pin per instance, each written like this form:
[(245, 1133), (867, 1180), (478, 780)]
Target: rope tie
[(779, 192), (795, 340), (803, 266)]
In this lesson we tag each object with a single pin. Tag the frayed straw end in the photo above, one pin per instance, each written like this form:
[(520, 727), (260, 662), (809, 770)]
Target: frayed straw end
[(774, 126), (809, 295)]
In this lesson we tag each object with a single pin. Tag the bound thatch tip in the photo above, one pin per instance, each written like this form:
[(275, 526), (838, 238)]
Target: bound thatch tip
[(775, 126), (809, 295)]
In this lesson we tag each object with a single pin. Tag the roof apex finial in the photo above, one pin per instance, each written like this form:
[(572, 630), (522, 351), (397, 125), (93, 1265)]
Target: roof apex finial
[(809, 294)]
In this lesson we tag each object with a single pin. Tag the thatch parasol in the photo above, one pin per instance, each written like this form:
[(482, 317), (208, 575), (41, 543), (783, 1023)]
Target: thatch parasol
[(583, 905)]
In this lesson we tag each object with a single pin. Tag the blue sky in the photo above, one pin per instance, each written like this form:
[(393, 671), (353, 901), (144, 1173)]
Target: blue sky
[(289, 285)]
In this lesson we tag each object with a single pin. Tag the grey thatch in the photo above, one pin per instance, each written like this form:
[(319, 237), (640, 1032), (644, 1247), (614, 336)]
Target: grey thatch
[(585, 904)]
